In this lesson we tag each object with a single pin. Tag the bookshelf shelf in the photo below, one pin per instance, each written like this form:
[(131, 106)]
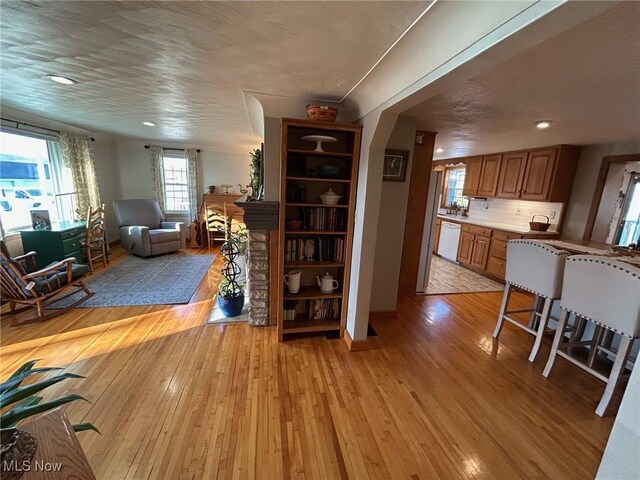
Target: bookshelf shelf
[(311, 153), (311, 293), (314, 232), (313, 264), (317, 179), (332, 246), (319, 205), (305, 325)]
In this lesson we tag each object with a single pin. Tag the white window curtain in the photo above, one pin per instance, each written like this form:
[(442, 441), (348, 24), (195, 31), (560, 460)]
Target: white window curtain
[(157, 174), (192, 167), (76, 151)]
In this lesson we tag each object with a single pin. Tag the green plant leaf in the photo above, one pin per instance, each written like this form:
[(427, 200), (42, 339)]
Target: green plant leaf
[(21, 393), (27, 366), (81, 427), (15, 381), (16, 414)]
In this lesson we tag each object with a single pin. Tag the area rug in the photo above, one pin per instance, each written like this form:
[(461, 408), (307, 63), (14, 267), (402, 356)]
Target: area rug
[(447, 277), (163, 280)]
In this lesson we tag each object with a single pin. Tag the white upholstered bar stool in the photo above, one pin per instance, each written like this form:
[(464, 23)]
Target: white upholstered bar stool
[(607, 293), (537, 268)]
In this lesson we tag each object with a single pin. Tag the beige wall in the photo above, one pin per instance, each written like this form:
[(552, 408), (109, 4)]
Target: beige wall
[(584, 184), (393, 210), (215, 168)]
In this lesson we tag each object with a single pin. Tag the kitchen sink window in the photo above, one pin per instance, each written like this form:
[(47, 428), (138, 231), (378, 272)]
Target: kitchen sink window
[(452, 187), (32, 175)]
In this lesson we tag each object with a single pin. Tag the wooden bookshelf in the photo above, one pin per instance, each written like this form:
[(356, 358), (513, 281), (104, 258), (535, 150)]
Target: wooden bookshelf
[(298, 172)]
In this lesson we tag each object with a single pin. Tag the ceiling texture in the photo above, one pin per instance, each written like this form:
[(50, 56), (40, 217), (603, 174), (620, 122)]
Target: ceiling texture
[(185, 65), (586, 80)]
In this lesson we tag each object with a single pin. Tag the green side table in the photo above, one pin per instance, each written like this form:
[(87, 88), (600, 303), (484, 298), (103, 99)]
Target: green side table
[(62, 241)]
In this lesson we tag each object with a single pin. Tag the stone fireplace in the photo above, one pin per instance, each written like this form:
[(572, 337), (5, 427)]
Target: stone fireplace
[(261, 219)]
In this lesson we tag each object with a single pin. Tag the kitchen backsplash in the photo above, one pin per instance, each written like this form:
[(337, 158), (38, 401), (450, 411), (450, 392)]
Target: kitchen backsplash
[(514, 212)]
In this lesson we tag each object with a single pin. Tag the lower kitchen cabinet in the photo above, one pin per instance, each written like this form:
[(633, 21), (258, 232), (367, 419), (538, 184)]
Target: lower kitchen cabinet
[(480, 252)]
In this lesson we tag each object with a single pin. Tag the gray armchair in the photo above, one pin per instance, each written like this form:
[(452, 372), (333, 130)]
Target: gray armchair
[(143, 230)]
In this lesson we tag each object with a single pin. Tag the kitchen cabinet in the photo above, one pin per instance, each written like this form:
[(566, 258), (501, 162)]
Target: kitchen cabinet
[(472, 175), (465, 250), (474, 246), (436, 235), (480, 252), (512, 174), (489, 175), (541, 174)]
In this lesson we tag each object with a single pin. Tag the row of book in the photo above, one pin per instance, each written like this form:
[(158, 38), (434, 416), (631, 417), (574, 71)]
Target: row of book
[(318, 309), (334, 219), (325, 249)]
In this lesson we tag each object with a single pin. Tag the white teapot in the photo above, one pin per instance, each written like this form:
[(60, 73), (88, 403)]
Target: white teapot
[(327, 284)]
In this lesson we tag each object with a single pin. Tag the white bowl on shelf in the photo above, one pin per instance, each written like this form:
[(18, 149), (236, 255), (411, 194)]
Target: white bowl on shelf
[(330, 197)]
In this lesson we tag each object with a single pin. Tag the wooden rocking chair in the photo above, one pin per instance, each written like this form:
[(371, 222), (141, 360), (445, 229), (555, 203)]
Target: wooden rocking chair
[(40, 288)]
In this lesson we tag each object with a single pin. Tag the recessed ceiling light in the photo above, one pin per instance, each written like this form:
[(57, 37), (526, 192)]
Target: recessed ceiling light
[(149, 124), (439, 150), (543, 124), (61, 79)]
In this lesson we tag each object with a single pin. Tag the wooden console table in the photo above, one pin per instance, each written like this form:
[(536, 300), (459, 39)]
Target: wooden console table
[(57, 449)]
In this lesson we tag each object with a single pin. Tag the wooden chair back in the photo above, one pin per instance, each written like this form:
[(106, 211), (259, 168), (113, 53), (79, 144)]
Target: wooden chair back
[(95, 243), (12, 283)]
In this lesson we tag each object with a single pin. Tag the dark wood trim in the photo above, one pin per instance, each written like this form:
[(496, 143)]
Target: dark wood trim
[(114, 243), (355, 345), (421, 168), (383, 315), (599, 188)]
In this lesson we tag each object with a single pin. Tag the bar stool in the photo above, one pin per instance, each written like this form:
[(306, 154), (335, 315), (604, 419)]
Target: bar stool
[(607, 293), (537, 268)]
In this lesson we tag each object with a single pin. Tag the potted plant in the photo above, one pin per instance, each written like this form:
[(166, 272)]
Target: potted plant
[(256, 172), (230, 293), (18, 445)]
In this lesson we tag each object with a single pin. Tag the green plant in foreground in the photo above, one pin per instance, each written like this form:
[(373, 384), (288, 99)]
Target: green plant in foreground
[(28, 404)]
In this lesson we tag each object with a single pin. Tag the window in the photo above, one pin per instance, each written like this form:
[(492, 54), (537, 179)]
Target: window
[(452, 187), (31, 175), (176, 183)]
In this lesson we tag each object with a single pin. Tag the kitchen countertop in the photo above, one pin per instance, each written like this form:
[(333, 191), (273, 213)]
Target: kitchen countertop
[(498, 226)]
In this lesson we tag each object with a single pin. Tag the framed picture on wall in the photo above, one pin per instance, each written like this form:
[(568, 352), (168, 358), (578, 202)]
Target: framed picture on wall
[(395, 165)]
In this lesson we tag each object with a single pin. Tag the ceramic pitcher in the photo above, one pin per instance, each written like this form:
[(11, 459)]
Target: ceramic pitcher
[(292, 280)]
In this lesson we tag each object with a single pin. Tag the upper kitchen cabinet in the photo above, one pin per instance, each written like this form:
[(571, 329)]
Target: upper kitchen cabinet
[(481, 176), (512, 174), (472, 177), (489, 174), (543, 174), (549, 173), (538, 175)]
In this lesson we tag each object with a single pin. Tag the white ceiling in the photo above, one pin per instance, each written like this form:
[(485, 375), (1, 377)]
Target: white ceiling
[(587, 80), (185, 65)]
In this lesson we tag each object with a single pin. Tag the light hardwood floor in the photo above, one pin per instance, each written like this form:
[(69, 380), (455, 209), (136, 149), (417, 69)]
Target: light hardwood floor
[(434, 398)]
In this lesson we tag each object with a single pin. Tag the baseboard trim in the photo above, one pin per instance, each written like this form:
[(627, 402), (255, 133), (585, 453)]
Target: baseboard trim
[(383, 315), (355, 345), (114, 243)]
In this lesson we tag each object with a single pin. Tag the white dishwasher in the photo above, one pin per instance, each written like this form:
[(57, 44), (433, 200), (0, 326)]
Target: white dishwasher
[(449, 240)]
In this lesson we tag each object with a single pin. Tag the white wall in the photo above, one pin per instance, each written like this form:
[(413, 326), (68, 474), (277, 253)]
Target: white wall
[(584, 184), (215, 168), (393, 212), (376, 129), (620, 460)]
